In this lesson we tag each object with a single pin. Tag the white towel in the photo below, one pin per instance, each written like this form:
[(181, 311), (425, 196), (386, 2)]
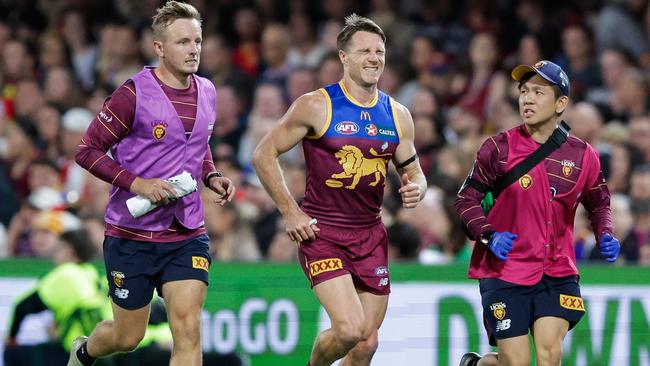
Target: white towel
[(183, 184)]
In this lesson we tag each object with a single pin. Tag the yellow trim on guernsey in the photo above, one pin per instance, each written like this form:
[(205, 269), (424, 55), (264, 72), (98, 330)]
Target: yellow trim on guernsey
[(328, 119), (373, 102), (393, 107)]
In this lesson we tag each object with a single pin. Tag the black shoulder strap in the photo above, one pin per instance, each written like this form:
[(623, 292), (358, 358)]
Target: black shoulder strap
[(559, 136)]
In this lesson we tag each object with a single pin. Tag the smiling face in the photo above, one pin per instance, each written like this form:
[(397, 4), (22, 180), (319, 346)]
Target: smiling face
[(364, 58), (538, 103), (179, 49)]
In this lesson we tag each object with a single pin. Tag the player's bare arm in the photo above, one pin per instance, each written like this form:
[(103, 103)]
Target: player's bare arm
[(414, 184), (307, 115)]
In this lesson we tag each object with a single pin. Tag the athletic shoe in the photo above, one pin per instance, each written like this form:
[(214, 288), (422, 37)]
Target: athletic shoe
[(468, 359), (73, 360)]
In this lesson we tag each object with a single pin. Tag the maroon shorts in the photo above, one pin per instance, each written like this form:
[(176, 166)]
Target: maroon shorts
[(336, 251)]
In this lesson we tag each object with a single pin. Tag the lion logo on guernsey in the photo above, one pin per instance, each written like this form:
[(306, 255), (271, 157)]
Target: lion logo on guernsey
[(325, 265), (526, 181), (159, 131), (567, 167), (200, 263), (356, 165)]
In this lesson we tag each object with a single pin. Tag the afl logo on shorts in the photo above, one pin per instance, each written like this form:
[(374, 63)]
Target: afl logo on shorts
[(118, 278), (159, 131), (526, 181)]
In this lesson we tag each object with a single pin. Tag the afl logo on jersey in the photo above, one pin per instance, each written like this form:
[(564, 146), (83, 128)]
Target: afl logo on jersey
[(525, 181), (371, 130), (346, 128)]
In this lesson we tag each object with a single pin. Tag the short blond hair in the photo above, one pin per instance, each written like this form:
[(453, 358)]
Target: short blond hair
[(168, 13)]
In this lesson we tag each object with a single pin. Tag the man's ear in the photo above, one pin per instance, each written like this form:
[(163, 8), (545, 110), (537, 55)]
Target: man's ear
[(343, 58), (158, 47), (561, 103)]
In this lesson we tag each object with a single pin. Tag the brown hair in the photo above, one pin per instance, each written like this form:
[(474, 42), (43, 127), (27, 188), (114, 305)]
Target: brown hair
[(168, 13), (355, 23)]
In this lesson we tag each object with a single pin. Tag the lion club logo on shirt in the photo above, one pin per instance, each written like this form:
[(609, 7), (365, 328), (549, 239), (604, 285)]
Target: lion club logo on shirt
[(118, 278), (526, 181), (498, 310), (371, 129), (325, 265), (567, 167), (158, 129), (200, 263), (356, 166)]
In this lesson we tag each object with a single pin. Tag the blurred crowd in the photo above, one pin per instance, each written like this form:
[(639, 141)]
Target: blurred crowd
[(448, 61)]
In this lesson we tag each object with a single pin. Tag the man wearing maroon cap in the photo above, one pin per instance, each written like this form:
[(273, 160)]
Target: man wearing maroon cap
[(523, 256)]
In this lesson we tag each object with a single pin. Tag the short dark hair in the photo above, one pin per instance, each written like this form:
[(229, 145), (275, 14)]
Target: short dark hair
[(355, 23), (81, 244), (557, 92)]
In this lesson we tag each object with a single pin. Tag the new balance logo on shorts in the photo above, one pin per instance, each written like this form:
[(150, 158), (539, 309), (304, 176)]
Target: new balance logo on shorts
[(503, 324), (121, 293)]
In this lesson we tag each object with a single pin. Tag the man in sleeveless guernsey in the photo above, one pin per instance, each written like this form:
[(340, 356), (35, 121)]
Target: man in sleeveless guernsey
[(523, 254), (156, 125), (350, 131)]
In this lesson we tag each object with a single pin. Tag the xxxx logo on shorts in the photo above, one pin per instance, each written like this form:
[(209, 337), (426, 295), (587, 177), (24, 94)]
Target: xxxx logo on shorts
[(325, 265), (118, 278), (200, 263), (499, 310), (572, 302)]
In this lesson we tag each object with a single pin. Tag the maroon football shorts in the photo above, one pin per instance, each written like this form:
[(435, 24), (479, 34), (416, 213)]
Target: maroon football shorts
[(336, 251)]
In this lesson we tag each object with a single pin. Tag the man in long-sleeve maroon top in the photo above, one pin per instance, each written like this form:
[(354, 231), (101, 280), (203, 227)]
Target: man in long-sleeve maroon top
[(524, 256), (156, 126)]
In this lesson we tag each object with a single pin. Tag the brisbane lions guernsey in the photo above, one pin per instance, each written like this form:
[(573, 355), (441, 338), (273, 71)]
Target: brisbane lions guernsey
[(347, 160)]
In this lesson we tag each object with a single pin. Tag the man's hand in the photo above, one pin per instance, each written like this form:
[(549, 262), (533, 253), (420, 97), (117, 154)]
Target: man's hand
[(223, 187), (410, 192), (155, 190), (300, 227), (501, 244), (609, 247)]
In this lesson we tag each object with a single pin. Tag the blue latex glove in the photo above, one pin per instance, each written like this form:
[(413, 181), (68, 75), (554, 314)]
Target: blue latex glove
[(501, 244), (609, 247)]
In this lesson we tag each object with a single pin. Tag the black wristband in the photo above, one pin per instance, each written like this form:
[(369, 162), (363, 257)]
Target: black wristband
[(407, 162), (206, 181)]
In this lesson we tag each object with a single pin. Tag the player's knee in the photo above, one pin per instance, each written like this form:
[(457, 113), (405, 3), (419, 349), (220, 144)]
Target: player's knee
[(350, 333), (549, 355), (368, 346), (128, 343)]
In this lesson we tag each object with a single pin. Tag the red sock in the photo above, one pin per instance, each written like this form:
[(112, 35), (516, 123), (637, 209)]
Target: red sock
[(308, 363)]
